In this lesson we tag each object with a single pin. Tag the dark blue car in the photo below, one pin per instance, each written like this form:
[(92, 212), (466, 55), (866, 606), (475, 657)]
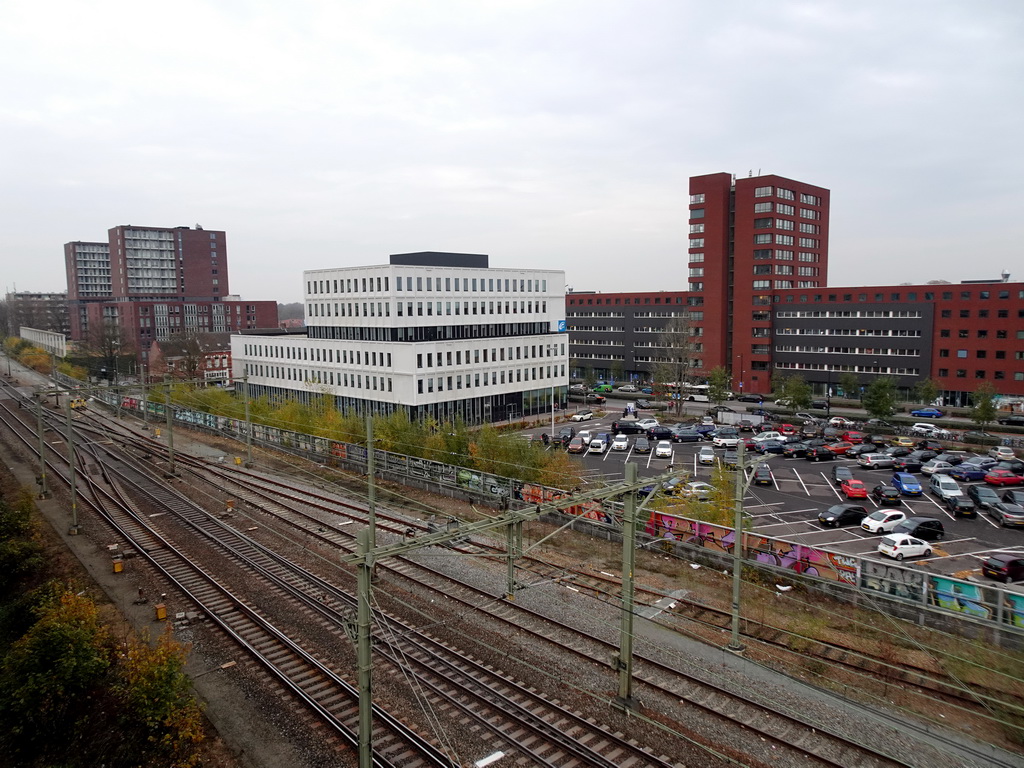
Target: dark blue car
[(967, 472), (927, 413)]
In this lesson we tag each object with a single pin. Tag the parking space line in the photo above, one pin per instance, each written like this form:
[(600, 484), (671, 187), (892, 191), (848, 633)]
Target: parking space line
[(830, 485), (801, 482)]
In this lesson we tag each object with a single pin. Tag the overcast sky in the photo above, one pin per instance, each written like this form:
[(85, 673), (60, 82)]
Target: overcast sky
[(554, 135)]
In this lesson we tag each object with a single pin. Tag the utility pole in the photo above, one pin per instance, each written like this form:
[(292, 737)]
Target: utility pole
[(170, 428), (364, 650), (624, 662), (145, 405), (248, 423), (44, 492), (73, 530), (371, 490)]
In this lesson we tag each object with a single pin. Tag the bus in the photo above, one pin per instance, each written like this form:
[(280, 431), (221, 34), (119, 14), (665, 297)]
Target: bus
[(696, 393)]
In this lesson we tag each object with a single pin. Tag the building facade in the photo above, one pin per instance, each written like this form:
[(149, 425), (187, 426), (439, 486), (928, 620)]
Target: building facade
[(154, 283), (42, 311), (441, 335)]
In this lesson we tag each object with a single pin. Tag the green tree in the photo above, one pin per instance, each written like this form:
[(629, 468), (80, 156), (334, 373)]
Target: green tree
[(798, 391), (778, 382), (880, 398), (850, 384), (983, 412), (927, 390), (676, 354), (718, 384)]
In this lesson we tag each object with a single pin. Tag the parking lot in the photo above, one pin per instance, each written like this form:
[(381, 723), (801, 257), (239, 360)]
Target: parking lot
[(800, 489)]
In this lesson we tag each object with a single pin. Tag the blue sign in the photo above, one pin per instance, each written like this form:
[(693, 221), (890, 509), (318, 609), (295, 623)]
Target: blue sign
[(561, 326)]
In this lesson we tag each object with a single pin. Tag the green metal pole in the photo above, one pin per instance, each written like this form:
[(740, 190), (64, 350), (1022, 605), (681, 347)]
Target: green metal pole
[(170, 427), (364, 652), (44, 492), (625, 659), (371, 490), (737, 548), (145, 405), (73, 530), (515, 549), (248, 423)]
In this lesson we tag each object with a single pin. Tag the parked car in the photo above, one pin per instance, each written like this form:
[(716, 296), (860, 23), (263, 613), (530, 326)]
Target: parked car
[(804, 416), (887, 495), (687, 435), (1007, 514), (900, 545), (620, 443), (1014, 465), (642, 403), (642, 445), (842, 514), (854, 489), (726, 437), (706, 455), (840, 421), (1012, 421), (878, 425), (929, 444), (903, 442), (907, 464), (576, 445), (927, 413), (659, 433), (647, 423), (745, 425), (750, 398), (906, 484), (983, 496), (663, 450), (698, 490), (763, 475), (770, 446), (628, 427), (628, 388), (794, 450), (819, 404), (896, 451), (582, 416), (966, 472), (956, 458), (876, 461), (819, 453), (1003, 477), (598, 445), (930, 430), (944, 486), (1014, 496), (961, 506), (1000, 452), (1004, 566), (936, 467), (927, 528), (840, 448), (769, 434), (841, 474), (882, 520), (730, 458), (853, 436)]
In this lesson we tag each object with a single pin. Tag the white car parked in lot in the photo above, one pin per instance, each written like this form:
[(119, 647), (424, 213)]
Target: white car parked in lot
[(697, 490), (882, 520), (928, 430), (839, 421), (597, 445), (647, 423), (620, 443), (663, 449), (900, 545), (582, 416), (1002, 452), (706, 455)]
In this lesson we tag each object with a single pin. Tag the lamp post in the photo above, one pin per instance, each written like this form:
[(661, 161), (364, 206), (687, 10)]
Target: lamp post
[(828, 395), (742, 372)]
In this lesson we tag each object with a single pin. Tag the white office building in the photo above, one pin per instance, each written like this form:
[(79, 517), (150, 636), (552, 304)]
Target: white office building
[(439, 334)]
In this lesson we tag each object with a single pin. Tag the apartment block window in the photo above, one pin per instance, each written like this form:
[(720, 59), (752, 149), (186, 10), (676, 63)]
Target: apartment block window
[(963, 333), (784, 255), (943, 353), (965, 313), (981, 353), (781, 284), (810, 199), (696, 242), (982, 313), (944, 333), (808, 271), (697, 213), (982, 334), (1000, 334), (762, 269), (943, 372), (1002, 313), (808, 242), (762, 239), (807, 213), (788, 210), (1000, 354), (961, 373), (696, 257), (763, 192), (999, 374), (696, 229), (762, 223), (762, 207), (961, 353), (783, 239), (785, 194), (810, 229), (762, 284), (698, 272), (696, 199), (946, 313), (696, 286), (760, 254), (783, 224), (979, 374), (783, 269)]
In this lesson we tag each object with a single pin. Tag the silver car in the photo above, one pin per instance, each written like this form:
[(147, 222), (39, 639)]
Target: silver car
[(706, 455), (876, 461)]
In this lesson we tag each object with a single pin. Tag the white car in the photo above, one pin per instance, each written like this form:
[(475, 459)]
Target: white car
[(698, 490), (760, 437), (597, 445), (900, 545), (585, 436), (882, 520), (706, 455), (582, 416), (628, 388), (936, 467), (1002, 452), (944, 487), (726, 437), (839, 421), (620, 443), (647, 423), (663, 450), (928, 430)]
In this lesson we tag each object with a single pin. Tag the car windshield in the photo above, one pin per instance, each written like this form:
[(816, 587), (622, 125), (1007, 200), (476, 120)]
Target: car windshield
[(879, 515)]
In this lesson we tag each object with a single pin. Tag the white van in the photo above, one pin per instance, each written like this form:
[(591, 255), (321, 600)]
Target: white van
[(944, 487)]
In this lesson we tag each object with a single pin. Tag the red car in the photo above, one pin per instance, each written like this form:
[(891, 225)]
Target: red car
[(787, 429), (839, 448), (854, 489), (1003, 477), (853, 436)]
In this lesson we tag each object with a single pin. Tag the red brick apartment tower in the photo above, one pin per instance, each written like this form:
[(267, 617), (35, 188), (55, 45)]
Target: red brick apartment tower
[(168, 263), (760, 234)]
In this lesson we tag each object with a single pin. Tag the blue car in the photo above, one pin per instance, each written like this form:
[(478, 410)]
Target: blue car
[(928, 413), (967, 472), (906, 483)]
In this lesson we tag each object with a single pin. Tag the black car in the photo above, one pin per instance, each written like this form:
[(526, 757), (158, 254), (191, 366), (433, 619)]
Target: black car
[(820, 404), (842, 514), (819, 453), (748, 398), (926, 528), (952, 458), (878, 425), (642, 445), (763, 475), (922, 455), (857, 450), (745, 425), (841, 472), (564, 436), (930, 445), (795, 450), (889, 496), (761, 412), (771, 446), (730, 458), (907, 464), (1014, 496), (961, 506), (659, 433), (896, 451), (1004, 567), (815, 442), (687, 435), (641, 403), (983, 496), (1012, 421), (1014, 465), (627, 427)]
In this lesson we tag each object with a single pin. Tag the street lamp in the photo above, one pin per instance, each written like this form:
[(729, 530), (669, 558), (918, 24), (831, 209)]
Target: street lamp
[(828, 395), (742, 372)]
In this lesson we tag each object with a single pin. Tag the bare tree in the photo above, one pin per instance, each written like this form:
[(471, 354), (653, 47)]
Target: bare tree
[(675, 353), (107, 343)]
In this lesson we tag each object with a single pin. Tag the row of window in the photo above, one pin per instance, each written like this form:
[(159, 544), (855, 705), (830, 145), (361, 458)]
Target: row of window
[(783, 269), (964, 333), (901, 332), (982, 313), (981, 354), (881, 352), (764, 254), (330, 354), (420, 283), (427, 332), (494, 355), (877, 369), (760, 285), (383, 308), (488, 378), (848, 313), (314, 377), (961, 373)]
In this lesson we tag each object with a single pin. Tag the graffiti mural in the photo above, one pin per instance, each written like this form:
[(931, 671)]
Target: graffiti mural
[(892, 580), (1015, 605), (959, 596)]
